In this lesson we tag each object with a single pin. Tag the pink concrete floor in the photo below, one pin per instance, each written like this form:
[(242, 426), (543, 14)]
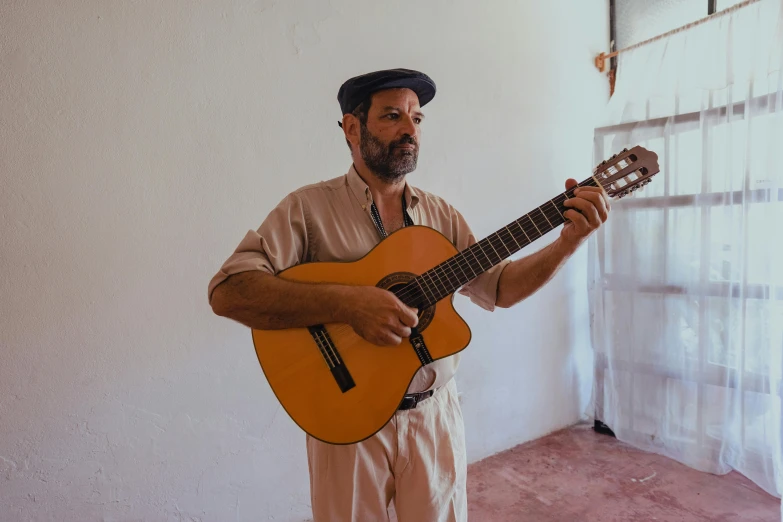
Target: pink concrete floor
[(579, 475)]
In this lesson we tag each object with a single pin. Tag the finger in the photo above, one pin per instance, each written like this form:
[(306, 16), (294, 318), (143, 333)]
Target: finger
[(577, 219), (587, 209), (606, 198), (597, 200), (388, 338), (598, 190), (570, 183), (408, 316), (400, 330)]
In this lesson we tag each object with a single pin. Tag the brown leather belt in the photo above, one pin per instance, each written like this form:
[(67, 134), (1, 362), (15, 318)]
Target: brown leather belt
[(411, 400)]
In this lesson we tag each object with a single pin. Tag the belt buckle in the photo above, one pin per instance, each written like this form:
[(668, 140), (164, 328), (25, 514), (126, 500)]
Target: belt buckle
[(416, 398), (420, 396), (411, 397)]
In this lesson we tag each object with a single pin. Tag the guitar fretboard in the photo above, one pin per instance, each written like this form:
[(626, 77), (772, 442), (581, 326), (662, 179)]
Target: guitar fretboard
[(444, 279)]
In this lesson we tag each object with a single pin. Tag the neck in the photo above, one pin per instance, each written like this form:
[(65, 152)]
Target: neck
[(382, 191)]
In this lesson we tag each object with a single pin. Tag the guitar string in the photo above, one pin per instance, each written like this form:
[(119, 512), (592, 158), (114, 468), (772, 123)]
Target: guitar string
[(502, 237), (441, 289), (495, 241), (327, 356), (328, 345), (461, 261)]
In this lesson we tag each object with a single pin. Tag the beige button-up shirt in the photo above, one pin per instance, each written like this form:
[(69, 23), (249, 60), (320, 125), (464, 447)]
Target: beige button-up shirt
[(331, 221)]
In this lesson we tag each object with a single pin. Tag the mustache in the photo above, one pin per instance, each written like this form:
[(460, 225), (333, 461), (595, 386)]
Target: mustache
[(405, 140)]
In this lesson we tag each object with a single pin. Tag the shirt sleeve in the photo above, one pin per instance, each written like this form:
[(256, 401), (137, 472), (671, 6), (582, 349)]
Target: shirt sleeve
[(279, 243), (483, 290)]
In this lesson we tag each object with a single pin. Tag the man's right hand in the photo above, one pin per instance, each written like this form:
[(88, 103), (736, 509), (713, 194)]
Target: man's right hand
[(378, 315)]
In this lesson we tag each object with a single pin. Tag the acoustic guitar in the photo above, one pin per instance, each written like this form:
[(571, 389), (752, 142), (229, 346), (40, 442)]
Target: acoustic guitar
[(341, 389)]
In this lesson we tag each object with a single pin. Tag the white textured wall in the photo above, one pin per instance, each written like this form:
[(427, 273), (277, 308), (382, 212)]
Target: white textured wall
[(140, 140)]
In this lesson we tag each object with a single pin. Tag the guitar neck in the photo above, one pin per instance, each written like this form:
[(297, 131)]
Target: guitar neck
[(444, 279)]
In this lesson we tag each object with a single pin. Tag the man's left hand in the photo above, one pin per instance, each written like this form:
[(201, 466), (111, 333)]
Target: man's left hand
[(588, 210)]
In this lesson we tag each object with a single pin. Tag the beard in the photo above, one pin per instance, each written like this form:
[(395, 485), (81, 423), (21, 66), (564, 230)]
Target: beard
[(387, 161)]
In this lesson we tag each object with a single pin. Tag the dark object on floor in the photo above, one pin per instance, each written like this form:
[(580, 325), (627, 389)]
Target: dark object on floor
[(600, 427)]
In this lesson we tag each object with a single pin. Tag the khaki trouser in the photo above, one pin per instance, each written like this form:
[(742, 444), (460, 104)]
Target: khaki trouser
[(417, 460)]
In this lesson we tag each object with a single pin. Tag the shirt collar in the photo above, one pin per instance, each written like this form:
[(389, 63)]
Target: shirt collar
[(362, 191)]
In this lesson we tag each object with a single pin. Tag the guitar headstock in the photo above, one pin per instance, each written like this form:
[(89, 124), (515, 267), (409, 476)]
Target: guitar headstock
[(627, 171)]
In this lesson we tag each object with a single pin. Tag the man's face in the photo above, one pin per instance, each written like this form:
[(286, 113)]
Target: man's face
[(389, 142)]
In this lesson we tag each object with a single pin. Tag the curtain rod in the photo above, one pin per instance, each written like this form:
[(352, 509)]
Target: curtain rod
[(600, 60)]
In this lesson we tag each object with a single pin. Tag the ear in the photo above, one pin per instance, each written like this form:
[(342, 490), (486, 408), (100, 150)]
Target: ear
[(351, 128)]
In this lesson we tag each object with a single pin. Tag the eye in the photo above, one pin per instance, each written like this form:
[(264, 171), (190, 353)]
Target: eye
[(393, 116), (417, 120)]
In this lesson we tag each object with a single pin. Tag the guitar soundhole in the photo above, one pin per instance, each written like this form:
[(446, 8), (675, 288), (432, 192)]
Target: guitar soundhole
[(397, 283)]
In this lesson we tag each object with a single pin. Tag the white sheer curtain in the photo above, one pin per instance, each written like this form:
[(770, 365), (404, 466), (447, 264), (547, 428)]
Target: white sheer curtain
[(687, 276)]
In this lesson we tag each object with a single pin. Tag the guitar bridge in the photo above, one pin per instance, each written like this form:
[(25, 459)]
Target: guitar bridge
[(332, 357)]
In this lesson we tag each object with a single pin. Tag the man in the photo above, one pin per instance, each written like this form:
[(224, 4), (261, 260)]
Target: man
[(418, 459)]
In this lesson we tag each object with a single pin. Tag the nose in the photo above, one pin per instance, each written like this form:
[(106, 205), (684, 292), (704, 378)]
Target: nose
[(409, 126)]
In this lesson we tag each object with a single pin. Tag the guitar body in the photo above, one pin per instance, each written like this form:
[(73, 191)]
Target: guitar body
[(299, 372)]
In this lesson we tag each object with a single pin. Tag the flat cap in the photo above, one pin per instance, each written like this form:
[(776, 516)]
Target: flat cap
[(353, 91)]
